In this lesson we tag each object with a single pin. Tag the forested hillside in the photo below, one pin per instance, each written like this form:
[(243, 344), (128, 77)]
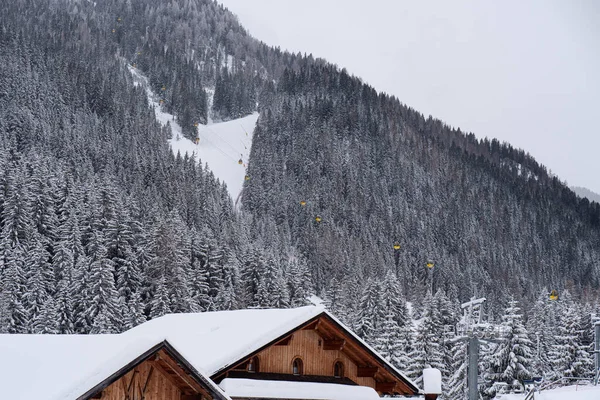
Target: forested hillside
[(102, 227)]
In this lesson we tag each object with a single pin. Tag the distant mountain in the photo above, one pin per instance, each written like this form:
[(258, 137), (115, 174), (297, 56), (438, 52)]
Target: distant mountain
[(585, 192)]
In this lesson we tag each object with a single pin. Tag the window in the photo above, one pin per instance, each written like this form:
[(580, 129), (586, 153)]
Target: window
[(338, 370), (297, 367), (253, 364)]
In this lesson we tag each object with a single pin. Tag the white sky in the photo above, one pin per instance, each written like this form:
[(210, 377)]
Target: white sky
[(526, 72)]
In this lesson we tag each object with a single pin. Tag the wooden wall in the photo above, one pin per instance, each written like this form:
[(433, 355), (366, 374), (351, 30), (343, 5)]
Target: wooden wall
[(308, 345), (158, 386)]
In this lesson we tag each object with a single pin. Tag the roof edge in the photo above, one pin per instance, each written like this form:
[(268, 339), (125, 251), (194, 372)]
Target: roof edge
[(210, 386)]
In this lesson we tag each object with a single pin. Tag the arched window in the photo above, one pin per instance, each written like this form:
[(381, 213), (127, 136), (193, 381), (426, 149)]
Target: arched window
[(297, 367), (253, 365), (338, 370)]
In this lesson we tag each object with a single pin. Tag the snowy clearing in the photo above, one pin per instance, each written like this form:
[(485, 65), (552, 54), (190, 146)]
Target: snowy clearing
[(564, 393), (221, 144)]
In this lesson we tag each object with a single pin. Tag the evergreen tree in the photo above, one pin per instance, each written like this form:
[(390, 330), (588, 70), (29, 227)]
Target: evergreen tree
[(512, 359), (457, 383), (428, 342)]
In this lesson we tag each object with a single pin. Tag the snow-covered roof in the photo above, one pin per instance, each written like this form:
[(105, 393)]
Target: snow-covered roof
[(54, 366), (61, 367), (211, 341), (252, 388), (65, 366)]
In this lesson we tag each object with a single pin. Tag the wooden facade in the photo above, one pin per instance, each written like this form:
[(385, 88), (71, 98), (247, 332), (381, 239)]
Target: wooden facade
[(160, 374), (320, 344)]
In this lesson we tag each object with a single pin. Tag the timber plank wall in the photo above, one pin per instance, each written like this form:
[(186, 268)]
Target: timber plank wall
[(308, 346)]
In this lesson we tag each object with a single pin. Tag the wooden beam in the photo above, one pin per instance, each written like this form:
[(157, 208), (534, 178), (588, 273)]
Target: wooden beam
[(163, 371), (313, 325), (334, 344), (97, 395), (191, 397), (403, 388), (284, 342), (367, 372), (182, 375), (385, 387)]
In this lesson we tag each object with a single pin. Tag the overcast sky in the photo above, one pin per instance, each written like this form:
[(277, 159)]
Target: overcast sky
[(526, 72)]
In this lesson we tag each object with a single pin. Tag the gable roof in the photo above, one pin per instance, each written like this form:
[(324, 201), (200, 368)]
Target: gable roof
[(217, 341), (213, 341), (61, 367), (66, 366)]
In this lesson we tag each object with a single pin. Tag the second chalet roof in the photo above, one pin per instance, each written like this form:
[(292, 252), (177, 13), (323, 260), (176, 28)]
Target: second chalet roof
[(214, 340)]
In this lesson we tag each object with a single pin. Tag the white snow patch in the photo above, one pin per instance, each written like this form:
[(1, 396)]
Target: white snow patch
[(316, 300), (564, 393), (432, 381), (252, 388), (221, 145), (229, 63)]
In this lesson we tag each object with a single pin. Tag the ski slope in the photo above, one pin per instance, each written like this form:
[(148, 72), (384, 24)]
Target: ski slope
[(221, 144), (562, 393)]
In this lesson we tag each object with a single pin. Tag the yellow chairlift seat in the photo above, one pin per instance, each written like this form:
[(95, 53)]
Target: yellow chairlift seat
[(119, 19), (240, 161), (161, 101), (114, 30), (554, 295), (195, 124), (163, 88), (302, 203), (396, 246), (430, 264), (247, 178), (318, 218), (197, 140)]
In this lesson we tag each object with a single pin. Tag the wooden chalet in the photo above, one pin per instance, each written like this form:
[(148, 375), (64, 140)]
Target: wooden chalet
[(160, 373), (302, 353), (320, 350)]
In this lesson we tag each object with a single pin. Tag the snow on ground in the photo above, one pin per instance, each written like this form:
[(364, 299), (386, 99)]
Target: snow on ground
[(221, 144), (563, 393)]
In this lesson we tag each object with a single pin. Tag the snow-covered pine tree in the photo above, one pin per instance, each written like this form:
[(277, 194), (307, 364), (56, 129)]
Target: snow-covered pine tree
[(388, 341), (541, 324), (299, 281), (457, 384), (370, 314), (568, 356), (39, 279), (428, 342), (105, 311), (512, 358)]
